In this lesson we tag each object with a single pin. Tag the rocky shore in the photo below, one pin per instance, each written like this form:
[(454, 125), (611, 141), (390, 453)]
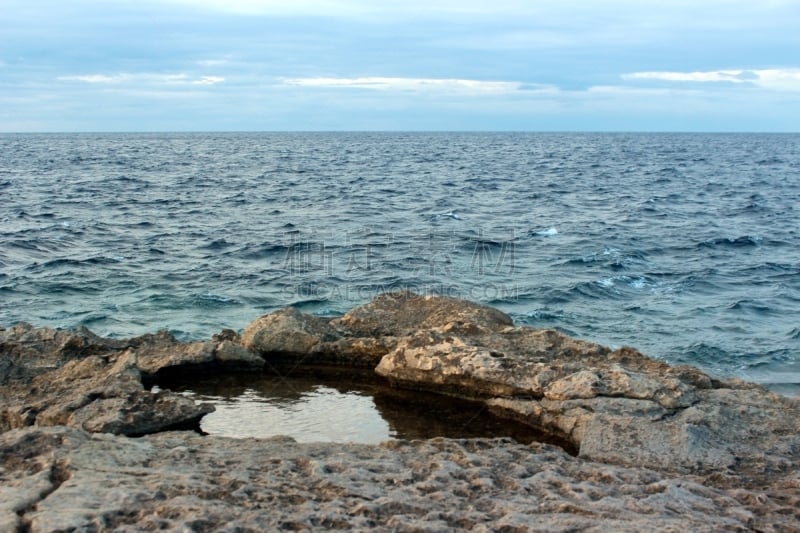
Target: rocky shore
[(87, 445)]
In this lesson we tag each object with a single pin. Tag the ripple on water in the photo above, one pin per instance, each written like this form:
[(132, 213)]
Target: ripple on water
[(628, 236)]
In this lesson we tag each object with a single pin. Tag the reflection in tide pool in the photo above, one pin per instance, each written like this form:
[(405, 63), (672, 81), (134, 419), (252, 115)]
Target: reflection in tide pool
[(349, 408), (321, 414)]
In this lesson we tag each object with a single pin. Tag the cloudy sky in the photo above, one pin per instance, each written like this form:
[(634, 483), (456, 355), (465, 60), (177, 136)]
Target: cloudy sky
[(555, 65)]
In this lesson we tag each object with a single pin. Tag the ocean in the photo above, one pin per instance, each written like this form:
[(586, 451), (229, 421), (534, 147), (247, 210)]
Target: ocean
[(684, 246)]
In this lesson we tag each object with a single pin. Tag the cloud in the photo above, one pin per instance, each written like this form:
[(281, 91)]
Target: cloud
[(432, 85), (779, 79), (787, 79), (208, 80), (143, 78), (733, 76)]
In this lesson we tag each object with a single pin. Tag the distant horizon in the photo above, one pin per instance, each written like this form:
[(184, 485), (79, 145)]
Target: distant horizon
[(535, 132), (353, 65)]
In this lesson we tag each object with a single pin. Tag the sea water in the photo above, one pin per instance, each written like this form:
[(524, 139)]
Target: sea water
[(685, 246)]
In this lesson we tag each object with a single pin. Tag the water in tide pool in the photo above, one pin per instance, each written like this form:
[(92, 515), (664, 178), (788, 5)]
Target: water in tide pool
[(344, 408), (685, 246)]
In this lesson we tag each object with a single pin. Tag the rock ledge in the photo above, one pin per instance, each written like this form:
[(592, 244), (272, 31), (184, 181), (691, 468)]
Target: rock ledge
[(660, 447)]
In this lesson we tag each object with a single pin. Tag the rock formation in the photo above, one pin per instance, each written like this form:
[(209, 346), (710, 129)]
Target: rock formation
[(614, 406), (658, 447), (63, 479), (77, 379)]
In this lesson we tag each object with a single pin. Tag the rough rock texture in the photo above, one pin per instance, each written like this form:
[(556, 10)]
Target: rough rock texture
[(660, 447), (286, 332), (403, 313), (78, 379), (162, 353), (26, 351), (614, 406), (68, 480)]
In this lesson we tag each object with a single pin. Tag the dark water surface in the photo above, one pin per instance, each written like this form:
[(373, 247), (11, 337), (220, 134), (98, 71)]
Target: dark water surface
[(319, 408), (683, 245)]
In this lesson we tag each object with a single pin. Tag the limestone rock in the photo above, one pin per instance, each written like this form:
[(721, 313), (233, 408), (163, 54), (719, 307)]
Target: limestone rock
[(727, 430), (151, 358), (231, 355), (65, 479), (162, 353), (614, 406), (617, 407), (669, 392), (352, 351), (78, 379), (430, 360), (747, 432), (526, 362), (99, 393), (286, 332), (27, 351), (398, 314)]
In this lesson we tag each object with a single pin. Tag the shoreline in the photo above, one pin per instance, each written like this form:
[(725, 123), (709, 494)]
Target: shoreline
[(79, 418)]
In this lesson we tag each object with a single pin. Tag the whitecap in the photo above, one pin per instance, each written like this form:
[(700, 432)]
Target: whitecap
[(547, 232), (449, 214), (211, 297), (638, 283)]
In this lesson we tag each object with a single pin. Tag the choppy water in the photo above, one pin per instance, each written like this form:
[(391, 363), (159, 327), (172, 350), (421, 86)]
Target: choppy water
[(683, 245)]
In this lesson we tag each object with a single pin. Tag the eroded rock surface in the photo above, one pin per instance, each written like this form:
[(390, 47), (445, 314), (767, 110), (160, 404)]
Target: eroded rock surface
[(615, 406), (66, 479), (660, 447), (286, 332), (403, 313), (78, 379), (27, 351)]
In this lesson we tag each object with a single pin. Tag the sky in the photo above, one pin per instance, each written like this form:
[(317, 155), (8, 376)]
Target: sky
[(450, 65)]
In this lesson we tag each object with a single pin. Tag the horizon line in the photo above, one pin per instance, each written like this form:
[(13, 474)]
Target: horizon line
[(391, 131)]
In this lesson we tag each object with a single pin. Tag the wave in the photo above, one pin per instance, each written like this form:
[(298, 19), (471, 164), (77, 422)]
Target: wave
[(73, 288), (752, 307), (64, 263), (745, 241), (218, 244), (210, 299), (475, 243), (544, 314), (594, 290), (309, 304), (308, 250), (142, 224), (138, 182), (703, 355), (771, 161), (680, 239), (609, 257), (635, 283), (620, 287)]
